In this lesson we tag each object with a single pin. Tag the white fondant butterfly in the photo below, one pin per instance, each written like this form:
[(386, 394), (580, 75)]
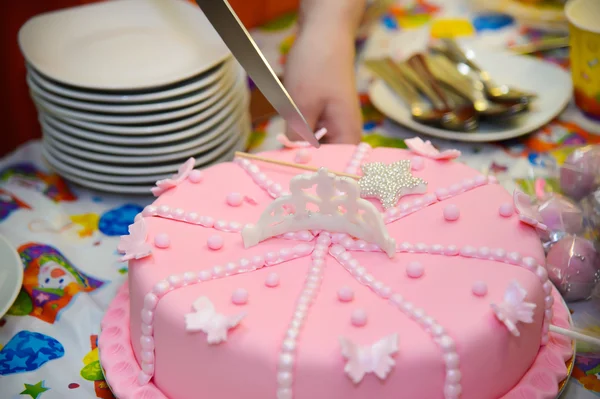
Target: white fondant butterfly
[(527, 212), (182, 174), (207, 320), (134, 245), (426, 149), (375, 358), (514, 309)]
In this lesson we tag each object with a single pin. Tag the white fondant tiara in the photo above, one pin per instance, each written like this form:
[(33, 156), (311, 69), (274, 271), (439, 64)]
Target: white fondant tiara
[(339, 209)]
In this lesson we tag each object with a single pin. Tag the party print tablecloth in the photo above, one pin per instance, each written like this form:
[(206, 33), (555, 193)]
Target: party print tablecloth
[(66, 236)]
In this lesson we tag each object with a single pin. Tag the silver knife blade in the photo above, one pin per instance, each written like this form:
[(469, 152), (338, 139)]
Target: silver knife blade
[(242, 46)]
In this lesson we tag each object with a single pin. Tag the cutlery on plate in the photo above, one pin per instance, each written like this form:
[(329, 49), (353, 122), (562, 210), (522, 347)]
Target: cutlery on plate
[(542, 45), (460, 117), (472, 90), (420, 109), (242, 46), (496, 92)]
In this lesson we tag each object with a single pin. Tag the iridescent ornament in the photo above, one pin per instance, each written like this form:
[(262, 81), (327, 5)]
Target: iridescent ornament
[(573, 266)]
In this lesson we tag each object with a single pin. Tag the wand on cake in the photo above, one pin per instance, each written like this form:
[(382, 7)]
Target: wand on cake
[(385, 182)]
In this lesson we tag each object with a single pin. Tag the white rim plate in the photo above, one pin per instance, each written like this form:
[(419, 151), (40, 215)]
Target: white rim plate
[(136, 175), (188, 125), (11, 275), (126, 160), (160, 93), (196, 98), (202, 137), (204, 127), (201, 109), (552, 85), (99, 46), (139, 189)]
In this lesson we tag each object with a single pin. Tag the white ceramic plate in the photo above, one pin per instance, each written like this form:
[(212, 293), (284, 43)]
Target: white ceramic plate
[(189, 124), (11, 275), (552, 85), (101, 46), (203, 127), (190, 101), (91, 156), (140, 148), (160, 93), (135, 175), (201, 109), (141, 189)]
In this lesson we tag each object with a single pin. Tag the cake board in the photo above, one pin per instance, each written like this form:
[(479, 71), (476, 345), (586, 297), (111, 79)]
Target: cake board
[(121, 369)]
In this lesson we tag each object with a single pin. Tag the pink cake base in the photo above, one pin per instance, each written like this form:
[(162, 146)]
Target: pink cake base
[(121, 368)]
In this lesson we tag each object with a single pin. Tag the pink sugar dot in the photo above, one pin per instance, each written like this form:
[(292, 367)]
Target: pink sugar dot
[(234, 199), (479, 288), (162, 240), (417, 163), (239, 296), (302, 156), (195, 176), (345, 294), (359, 318), (506, 210), (215, 242), (272, 280), (451, 212), (414, 270), (441, 193)]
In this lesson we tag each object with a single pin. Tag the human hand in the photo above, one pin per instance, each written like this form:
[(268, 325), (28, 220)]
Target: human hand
[(319, 76)]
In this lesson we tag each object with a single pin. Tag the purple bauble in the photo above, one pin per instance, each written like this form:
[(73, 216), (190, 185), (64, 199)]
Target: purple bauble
[(580, 173), (573, 266), (561, 214), (591, 213)]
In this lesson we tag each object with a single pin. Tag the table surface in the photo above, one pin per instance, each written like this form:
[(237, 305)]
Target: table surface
[(54, 355)]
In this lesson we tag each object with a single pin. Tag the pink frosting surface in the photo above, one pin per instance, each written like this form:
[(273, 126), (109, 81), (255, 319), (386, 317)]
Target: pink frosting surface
[(246, 365)]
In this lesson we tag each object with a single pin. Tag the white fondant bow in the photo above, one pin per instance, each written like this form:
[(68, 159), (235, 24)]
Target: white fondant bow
[(207, 320), (134, 245), (514, 309), (375, 358)]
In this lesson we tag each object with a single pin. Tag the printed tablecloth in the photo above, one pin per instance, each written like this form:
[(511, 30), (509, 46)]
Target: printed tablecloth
[(67, 236)]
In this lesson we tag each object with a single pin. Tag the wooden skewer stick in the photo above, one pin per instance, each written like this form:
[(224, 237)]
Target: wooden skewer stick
[(290, 164), (575, 335)]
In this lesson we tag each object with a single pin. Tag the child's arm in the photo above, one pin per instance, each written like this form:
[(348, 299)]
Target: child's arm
[(319, 72)]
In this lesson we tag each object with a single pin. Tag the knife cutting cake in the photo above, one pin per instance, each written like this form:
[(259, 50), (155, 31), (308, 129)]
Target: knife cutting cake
[(384, 273)]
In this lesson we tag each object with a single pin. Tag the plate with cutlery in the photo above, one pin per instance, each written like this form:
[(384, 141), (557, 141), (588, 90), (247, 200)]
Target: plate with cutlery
[(456, 94)]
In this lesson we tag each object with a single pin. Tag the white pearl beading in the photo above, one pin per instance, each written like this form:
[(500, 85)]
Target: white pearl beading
[(360, 154), (491, 254), (262, 180), (408, 207), (173, 282), (289, 345), (181, 215), (452, 387)]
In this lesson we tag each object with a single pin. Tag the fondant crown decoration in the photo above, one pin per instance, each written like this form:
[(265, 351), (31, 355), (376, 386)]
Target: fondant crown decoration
[(340, 210)]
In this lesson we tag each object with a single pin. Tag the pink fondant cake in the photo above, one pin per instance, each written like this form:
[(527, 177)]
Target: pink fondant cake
[(460, 306)]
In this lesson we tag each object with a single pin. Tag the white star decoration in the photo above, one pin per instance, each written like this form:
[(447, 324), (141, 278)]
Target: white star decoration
[(207, 320), (514, 309), (375, 358), (388, 183)]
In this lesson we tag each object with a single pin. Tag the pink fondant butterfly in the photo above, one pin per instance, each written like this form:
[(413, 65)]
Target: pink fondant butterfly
[(286, 142), (527, 212), (375, 358), (514, 309), (426, 149), (134, 245), (182, 174), (207, 320)]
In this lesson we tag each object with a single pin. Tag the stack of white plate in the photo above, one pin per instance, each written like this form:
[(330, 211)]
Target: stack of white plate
[(128, 90)]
